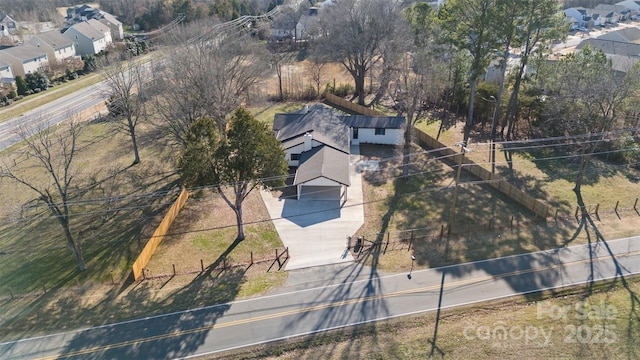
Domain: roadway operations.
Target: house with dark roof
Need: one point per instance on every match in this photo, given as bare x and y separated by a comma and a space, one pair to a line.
24, 59
317, 141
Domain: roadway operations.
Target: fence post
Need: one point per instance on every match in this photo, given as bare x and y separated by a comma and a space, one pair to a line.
577, 208
174, 269
410, 241
598, 207
278, 258
512, 222
616, 209
144, 274
635, 204
251, 257
201, 265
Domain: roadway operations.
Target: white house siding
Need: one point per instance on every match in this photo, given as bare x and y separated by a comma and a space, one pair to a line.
35, 64
6, 72
368, 136
65, 53
298, 149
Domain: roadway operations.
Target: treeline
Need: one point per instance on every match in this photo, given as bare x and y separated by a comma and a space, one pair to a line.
148, 14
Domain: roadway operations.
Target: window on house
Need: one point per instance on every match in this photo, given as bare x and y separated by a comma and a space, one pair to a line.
379, 131
295, 157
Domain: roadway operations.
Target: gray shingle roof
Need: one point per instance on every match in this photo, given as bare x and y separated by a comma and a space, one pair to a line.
24, 52
323, 123
612, 47
323, 161
89, 31
53, 38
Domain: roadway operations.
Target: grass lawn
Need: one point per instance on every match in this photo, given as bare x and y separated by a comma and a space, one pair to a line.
40, 271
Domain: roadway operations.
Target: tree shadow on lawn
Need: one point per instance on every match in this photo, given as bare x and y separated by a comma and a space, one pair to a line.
110, 245
168, 336
564, 168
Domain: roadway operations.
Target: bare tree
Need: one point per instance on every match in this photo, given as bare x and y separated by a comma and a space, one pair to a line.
50, 151
207, 77
126, 81
313, 71
361, 35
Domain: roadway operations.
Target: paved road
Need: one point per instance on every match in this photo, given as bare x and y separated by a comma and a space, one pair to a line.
341, 296
52, 113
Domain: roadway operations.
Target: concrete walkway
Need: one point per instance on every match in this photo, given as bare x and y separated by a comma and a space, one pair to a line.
315, 231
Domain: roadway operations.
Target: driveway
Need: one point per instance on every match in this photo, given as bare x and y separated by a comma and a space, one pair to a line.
315, 231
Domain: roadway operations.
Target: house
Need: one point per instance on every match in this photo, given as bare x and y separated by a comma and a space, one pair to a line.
307, 27
82, 13
6, 77
632, 5
117, 32
85, 12
58, 47
623, 55
628, 34
621, 11
8, 26
604, 17
283, 26
90, 37
579, 18
24, 59
317, 140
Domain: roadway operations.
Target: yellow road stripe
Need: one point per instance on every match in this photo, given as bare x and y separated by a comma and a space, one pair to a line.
322, 307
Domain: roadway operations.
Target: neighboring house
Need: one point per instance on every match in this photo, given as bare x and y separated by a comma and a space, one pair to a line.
317, 140
24, 59
283, 26
117, 32
604, 17
632, 5
58, 47
6, 76
621, 11
623, 55
307, 27
85, 12
579, 18
8, 26
82, 13
89, 37
628, 34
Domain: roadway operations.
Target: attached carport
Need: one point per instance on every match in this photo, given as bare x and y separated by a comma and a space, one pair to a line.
323, 174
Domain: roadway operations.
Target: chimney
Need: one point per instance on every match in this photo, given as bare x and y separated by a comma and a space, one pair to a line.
307, 142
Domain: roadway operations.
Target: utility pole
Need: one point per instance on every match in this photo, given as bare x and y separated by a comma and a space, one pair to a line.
463, 149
